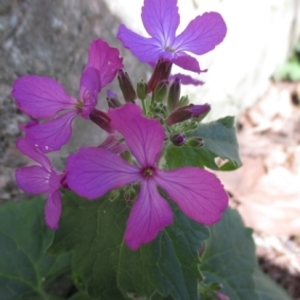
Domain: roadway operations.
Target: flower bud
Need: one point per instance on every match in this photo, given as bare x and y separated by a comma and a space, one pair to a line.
184, 100
161, 72
126, 86
178, 139
188, 112
222, 296
141, 90
174, 95
101, 119
195, 142
112, 100
160, 90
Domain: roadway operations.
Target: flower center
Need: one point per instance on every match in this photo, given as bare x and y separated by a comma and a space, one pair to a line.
147, 172
167, 48
79, 105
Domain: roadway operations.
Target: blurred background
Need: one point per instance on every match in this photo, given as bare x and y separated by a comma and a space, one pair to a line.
254, 74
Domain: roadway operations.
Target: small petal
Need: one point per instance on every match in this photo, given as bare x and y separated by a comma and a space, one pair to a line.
198, 193
33, 179
187, 62
28, 150
145, 49
90, 86
92, 172
90, 80
113, 144
41, 97
144, 137
186, 79
202, 34
52, 135
105, 60
150, 214
161, 19
53, 209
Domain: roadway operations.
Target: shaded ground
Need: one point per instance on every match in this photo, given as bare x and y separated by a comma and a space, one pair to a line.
51, 37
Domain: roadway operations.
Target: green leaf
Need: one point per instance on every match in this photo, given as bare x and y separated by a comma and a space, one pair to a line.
219, 141
267, 289
177, 157
79, 296
94, 231
168, 265
229, 257
25, 269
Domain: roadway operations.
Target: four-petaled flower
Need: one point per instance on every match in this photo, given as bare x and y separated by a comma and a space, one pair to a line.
92, 172
43, 98
161, 20
41, 179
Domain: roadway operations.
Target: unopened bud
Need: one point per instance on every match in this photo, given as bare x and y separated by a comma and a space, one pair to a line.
195, 142
184, 100
126, 86
160, 90
178, 139
141, 90
199, 111
101, 119
188, 112
126, 155
222, 296
161, 72
174, 95
112, 100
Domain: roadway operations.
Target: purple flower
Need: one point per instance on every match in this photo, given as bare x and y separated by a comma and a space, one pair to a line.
186, 79
44, 98
92, 172
161, 20
41, 179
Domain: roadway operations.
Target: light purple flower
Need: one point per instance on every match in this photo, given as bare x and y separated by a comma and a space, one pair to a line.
92, 172
161, 20
44, 98
41, 179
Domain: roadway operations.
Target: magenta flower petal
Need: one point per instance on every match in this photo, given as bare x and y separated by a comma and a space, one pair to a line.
144, 137
145, 49
92, 172
105, 60
186, 79
33, 179
187, 62
27, 149
90, 81
52, 135
161, 19
53, 209
198, 193
202, 34
113, 144
90, 86
150, 214
41, 97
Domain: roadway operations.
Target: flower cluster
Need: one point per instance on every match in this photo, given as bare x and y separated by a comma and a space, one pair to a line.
141, 133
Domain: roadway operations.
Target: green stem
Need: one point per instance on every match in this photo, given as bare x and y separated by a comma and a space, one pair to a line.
152, 98
144, 107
